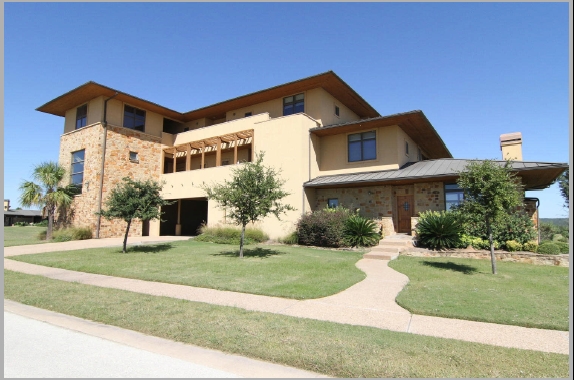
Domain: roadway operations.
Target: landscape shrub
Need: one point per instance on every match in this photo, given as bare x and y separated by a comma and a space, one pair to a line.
513, 246
43, 223
231, 235
530, 246
21, 224
42, 235
549, 248
438, 229
564, 247
71, 233
361, 232
323, 228
291, 238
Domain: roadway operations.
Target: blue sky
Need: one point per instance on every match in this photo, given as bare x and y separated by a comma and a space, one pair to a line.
476, 70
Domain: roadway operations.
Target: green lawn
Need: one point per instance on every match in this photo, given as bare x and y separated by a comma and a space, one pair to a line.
16, 235
273, 270
334, 349
520, 294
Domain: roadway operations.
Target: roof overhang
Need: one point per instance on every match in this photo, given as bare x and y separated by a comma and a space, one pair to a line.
329, 81
413, 123
92, 90
534, 177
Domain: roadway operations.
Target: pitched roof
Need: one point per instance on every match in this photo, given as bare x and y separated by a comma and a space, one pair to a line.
327, 80
535, 175
414, 123
23, 213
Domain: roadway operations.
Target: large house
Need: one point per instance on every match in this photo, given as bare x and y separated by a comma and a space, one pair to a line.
332, 147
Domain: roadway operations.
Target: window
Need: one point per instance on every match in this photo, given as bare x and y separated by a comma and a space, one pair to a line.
293, 104
78, 169
134, 156
419, 155
336, 110
333, 202
362, 146
453, 195
134, 118
407, 148
81, 116
247, 114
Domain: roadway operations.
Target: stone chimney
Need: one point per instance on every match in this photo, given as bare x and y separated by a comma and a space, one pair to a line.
6, 204
511, 146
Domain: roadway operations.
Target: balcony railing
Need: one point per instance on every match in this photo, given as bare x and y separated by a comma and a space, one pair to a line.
208, 152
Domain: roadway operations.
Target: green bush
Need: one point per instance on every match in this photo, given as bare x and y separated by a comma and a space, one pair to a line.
292, 238
361, 232
63, 235
81, 233
564, 247
517, 226
323, 228
513, 246
21, 224
43, 223
72, 233
231, 235
549, 248
42, 235
530, 246
476, 242
438, 229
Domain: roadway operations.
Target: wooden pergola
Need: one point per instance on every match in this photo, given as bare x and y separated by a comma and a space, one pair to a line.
210, 144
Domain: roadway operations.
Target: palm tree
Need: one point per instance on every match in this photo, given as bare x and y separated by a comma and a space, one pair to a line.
46, 193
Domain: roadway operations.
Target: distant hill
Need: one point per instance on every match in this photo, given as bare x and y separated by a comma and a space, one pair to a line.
557, 221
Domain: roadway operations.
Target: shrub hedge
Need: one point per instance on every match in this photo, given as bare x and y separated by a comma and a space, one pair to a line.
231, 235
323, 228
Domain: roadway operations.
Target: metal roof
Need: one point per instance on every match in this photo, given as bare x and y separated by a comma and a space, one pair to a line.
535, 175
23, 213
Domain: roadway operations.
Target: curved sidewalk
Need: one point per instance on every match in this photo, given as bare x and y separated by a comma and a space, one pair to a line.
370, 302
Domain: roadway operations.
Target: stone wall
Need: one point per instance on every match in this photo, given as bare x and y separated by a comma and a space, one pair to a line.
120, 142
374, 202
429, 196
520, 257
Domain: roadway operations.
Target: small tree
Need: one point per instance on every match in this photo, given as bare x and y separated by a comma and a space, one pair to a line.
564, 185
491, 191
254, 192
131, 200
46, 192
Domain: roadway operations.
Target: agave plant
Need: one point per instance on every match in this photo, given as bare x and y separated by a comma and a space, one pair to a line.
438, 229
361, 232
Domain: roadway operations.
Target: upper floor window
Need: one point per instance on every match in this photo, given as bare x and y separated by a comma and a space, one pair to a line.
362, 146
247, 114
134, 118
407, 148
419, 154
293, 104
78, 168
453, 195
336, 110
81, 116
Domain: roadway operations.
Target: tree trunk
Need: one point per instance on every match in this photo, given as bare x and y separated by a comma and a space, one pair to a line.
492, 258
50, 229
126, 236
241, 242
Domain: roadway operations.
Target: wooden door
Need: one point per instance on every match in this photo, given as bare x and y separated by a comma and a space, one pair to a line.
405, 205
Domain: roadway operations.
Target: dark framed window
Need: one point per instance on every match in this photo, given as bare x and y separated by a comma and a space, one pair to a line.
362, 146
81, 116
134, 118
293, 104
134, 156
407, 148
333, 202
77, 169
337, 110
453, 195
419, 154
247, 114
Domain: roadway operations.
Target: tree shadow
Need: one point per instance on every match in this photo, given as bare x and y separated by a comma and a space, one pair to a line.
152, 248
251, 252
466, 269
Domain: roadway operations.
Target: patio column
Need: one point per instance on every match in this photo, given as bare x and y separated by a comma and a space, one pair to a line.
202, 155
174, 159
218, 153
188, 158
235, 149
178, 225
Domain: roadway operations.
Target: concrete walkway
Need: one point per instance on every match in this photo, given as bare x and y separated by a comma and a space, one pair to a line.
370, 302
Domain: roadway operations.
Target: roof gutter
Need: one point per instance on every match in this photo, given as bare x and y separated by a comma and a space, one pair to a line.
103, 164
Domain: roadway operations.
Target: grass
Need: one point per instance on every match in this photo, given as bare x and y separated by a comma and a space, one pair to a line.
334, 349
520, 294
16, 235
273, 270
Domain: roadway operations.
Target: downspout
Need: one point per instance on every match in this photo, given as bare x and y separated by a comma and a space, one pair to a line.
102, 167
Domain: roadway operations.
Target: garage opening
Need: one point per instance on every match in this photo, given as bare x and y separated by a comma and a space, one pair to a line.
185, 215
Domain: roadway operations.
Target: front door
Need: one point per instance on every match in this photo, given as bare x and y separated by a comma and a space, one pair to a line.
405, 212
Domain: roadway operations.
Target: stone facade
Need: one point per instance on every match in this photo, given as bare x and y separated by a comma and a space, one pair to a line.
429, 196
120, 142
374, 202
